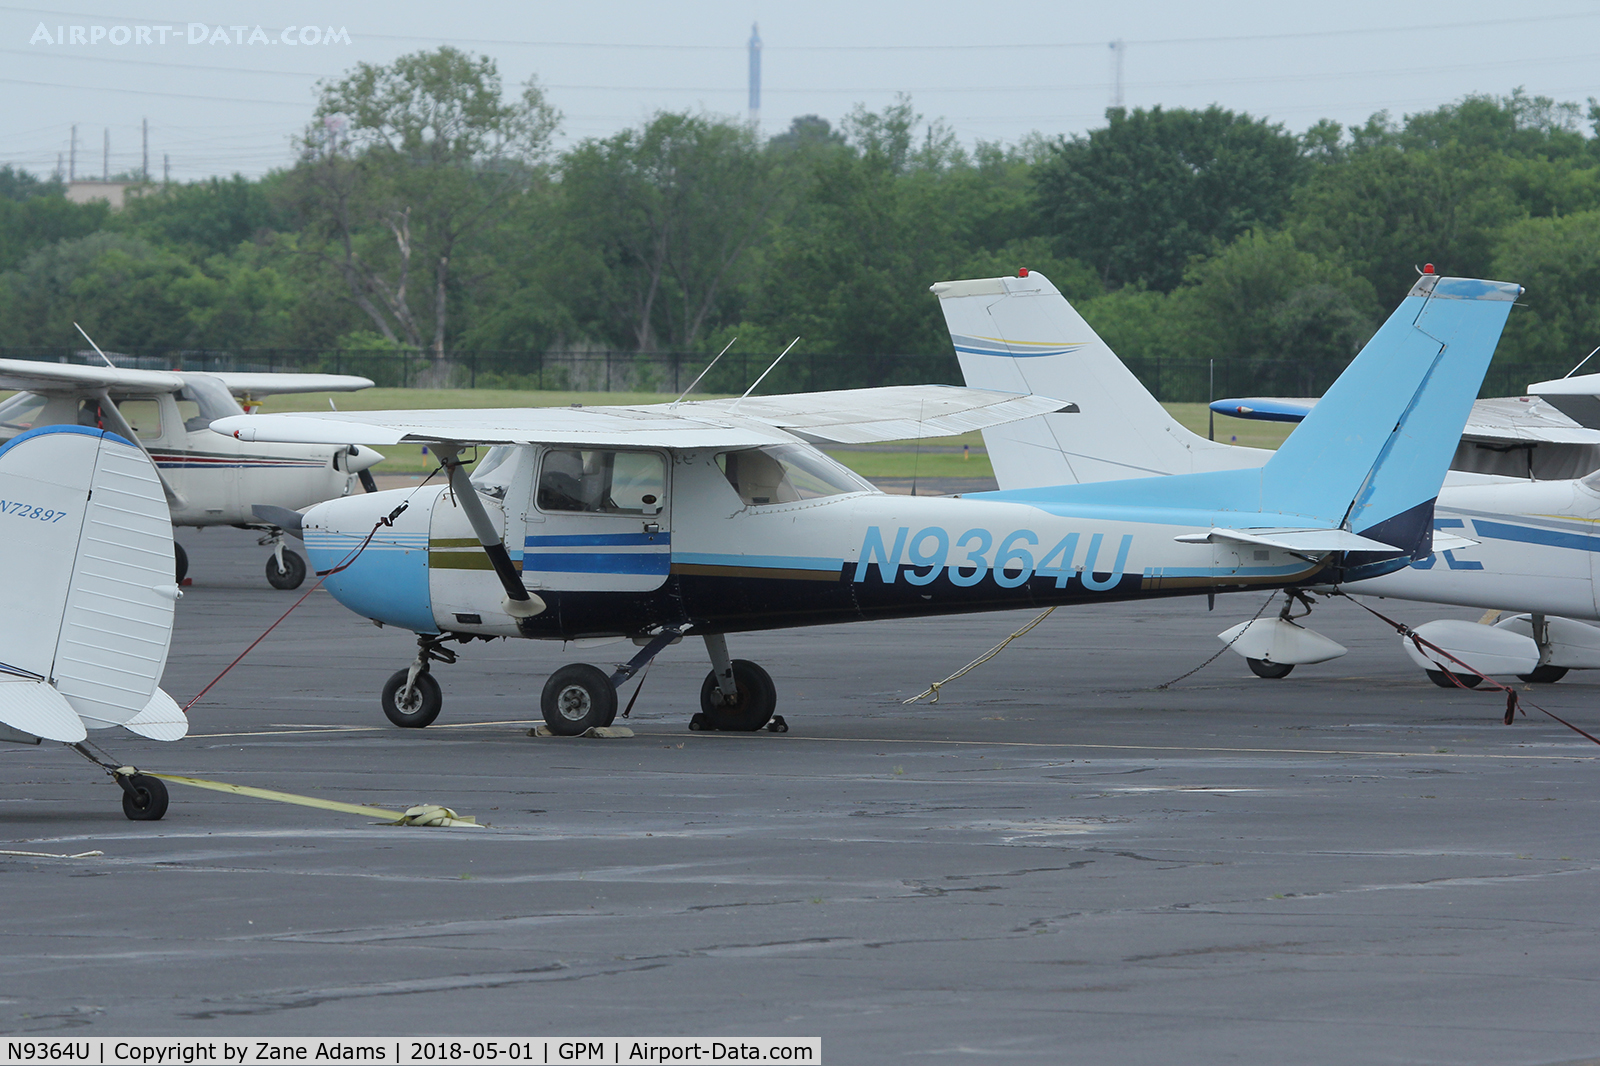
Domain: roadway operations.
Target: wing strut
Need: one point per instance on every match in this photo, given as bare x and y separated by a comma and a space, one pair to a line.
518, 602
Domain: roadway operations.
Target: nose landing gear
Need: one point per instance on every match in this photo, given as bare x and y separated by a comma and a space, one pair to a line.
411, 697
285, 568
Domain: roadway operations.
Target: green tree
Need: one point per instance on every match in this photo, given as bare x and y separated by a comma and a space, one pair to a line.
669, 210
1138, 198
203, 218
1558, 261
403, 166
123, 290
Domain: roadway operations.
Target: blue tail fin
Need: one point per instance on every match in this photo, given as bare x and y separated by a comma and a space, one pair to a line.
1371, 455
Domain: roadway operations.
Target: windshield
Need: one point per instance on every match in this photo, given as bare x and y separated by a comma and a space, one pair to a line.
787, 473
203, 400
20, 413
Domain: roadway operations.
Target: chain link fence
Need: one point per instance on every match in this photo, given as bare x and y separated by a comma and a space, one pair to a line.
1170, 378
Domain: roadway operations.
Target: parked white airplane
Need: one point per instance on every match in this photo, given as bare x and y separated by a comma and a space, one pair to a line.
209, 480
1533, 547
719, 517
87, 603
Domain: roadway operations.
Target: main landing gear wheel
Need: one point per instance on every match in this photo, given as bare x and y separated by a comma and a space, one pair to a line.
144, 798
1271, 671
577, 698
751, 709
423, 706
293, 572
1442, 679
181, 560
1545, 675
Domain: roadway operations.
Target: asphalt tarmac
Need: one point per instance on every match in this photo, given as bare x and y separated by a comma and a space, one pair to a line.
1057, 862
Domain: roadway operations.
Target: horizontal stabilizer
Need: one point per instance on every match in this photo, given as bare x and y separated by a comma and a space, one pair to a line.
34, 707
1295, 540
161, 719
289, 521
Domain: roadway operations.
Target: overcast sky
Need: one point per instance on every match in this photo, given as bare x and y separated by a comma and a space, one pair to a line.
217, 108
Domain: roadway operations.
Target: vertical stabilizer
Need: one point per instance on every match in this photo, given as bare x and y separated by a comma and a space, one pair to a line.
1021, 335
1372, 453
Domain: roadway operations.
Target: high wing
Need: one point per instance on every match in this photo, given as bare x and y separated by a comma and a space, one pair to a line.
1578, 398
34, 376
1502, 420
259, 385
884, 414
31, 376
895, 412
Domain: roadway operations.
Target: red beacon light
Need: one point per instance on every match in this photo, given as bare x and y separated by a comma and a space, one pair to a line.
1022, 272
1427, 268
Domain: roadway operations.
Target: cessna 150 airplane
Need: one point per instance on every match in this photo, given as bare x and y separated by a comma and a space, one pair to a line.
711, 518
209, 481
86, 607
1516, 488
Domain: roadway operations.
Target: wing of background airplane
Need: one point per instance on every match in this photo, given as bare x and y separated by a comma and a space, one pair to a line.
259, 385
33, 376
1577, 397
893, 413
1502, 420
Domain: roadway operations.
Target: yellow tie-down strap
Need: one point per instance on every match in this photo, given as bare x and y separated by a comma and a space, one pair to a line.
427, 814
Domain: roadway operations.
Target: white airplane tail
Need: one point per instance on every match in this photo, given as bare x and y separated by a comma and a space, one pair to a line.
1021, 335
87, 605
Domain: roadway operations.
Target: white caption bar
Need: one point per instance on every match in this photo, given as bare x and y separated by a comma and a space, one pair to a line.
403, 1051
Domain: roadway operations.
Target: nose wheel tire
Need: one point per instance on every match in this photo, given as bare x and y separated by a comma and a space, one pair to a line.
292, 574
752, 708
180, 559
1442, 679
423, 706
577, 698
145, 798
1271, 671
1545, 675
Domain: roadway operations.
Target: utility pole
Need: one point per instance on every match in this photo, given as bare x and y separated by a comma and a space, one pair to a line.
60, 162
166, 169
72, 167
1118, 47
755, 76
144, 169
105, 158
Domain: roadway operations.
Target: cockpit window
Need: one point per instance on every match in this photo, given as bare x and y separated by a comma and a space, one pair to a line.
20, 413
787, 473
602, 482
203, 400
494, 471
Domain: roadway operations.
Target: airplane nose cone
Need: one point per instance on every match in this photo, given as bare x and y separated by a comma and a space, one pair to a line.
360, 458
384, 578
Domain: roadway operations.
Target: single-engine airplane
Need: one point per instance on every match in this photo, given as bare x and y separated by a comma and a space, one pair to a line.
1516, 489
209, 480
87, 604
717, 517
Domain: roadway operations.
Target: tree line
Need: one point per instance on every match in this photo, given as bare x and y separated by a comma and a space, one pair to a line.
428, 212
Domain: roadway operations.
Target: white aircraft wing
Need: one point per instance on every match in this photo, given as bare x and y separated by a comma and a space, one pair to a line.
582, 426
896, 413
1502, 420
258, 385
31, 376
1516, 419
1578, 397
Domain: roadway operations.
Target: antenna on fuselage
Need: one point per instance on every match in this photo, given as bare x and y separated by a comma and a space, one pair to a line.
702, 374
764, 373
95, 346
1579, 367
